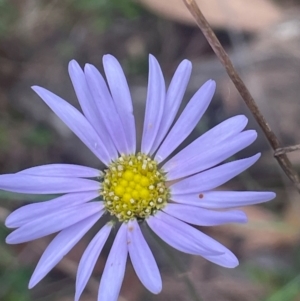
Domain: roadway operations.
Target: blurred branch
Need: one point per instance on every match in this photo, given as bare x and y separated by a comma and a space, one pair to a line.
215, 44
287, 149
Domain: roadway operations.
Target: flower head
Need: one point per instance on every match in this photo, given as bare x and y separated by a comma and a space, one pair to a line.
137, 185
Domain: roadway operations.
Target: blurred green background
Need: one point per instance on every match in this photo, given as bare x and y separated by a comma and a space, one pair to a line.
37, 40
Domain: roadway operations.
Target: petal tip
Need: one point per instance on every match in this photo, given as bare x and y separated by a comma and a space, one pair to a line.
32, 282
208, 87
9, 222
230, 261
73, 64
186, 63
156, 290
272, 195
257, 156
243, 218
108, 57
243, 118
152, 59
35, 88
89, 67
233, 265
254, 133
9, 239
213, 84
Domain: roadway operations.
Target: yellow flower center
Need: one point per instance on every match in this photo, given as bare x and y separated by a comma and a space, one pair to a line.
133, 187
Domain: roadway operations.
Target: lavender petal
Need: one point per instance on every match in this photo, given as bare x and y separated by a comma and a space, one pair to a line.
197, 160
142, 258
174, 97
221, 132
60, 246
154, 105
106, 108
62, 170
224, 199
212, 178
45, 185
204, 217
227, 259
76, 122
114, 270
30, 212
180, 235
89, 107
189, 240
89, 259
187, 120
224, 130
53, 222
218, 134
121, 96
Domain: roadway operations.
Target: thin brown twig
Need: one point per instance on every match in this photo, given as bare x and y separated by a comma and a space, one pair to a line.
210, 36
287, 149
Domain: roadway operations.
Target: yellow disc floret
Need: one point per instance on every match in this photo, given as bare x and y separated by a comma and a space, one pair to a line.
133, 187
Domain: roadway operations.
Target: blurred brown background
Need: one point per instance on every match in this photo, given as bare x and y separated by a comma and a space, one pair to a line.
37, 40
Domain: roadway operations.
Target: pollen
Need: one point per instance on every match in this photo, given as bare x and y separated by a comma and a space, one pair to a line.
134, 187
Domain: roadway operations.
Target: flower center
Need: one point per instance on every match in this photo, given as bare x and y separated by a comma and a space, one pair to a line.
133, 187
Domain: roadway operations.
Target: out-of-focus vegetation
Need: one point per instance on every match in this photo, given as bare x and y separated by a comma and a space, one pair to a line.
107, 9
8, 16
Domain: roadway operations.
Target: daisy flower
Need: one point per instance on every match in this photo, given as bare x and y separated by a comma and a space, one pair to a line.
137, 186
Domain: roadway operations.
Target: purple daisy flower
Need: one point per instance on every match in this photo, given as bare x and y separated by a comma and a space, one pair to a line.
136, 186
